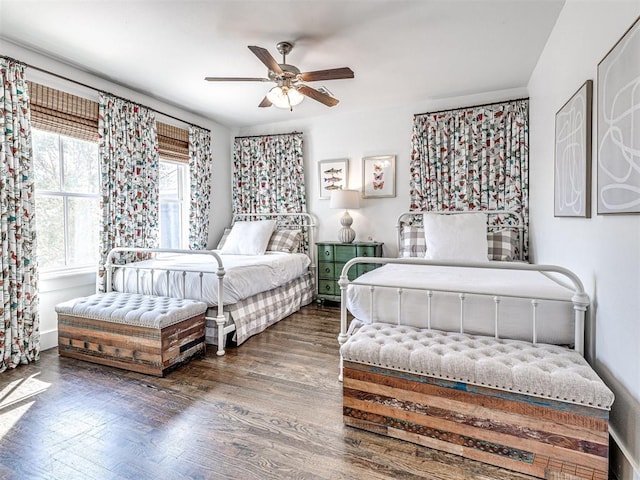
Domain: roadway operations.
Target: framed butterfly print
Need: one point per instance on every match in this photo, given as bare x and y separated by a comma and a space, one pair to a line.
379, 176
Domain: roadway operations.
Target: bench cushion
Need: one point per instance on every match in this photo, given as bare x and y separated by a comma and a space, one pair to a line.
133, 309
540, 370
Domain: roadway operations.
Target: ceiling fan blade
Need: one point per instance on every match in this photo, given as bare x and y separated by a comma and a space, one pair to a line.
317, 95
265, 103
266, 58
331, 74
236, 79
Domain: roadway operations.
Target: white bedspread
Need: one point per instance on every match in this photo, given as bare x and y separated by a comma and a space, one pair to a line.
554, 318
245, 275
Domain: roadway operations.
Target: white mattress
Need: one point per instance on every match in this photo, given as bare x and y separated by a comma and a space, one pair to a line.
554, 317
245, 275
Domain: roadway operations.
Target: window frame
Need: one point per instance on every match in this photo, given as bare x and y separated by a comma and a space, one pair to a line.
66, 196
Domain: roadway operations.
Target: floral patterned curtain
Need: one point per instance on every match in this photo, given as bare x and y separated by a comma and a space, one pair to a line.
128, 152
20, 327
200, 167
268, 175
473, 158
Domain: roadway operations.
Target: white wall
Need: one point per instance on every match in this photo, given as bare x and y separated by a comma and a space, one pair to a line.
55, 289
604, 250
353, 136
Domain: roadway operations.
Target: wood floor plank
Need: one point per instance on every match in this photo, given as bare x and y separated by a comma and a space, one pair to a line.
269, 409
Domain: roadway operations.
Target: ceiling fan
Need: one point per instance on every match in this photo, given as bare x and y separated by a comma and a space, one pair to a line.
290, 88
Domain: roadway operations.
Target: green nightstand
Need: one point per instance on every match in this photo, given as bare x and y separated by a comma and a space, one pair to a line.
331, 258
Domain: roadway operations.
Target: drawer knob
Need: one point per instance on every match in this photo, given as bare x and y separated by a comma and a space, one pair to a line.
327, 270
327, 287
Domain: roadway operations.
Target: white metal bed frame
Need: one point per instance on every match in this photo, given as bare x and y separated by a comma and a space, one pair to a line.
216, 313
580, 299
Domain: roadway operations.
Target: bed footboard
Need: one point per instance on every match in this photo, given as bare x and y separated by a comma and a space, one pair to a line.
147, 252
579, 299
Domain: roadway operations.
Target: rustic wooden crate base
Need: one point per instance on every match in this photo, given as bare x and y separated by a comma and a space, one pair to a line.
139, 349
544, 438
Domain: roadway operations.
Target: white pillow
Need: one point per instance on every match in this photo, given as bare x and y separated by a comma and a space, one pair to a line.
248, 238
457, 237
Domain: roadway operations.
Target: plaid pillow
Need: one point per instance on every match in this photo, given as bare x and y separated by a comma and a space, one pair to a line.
503, 245
285, 241
223, 239
412, 242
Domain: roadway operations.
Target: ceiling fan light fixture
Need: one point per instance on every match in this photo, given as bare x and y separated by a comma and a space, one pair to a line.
284, 97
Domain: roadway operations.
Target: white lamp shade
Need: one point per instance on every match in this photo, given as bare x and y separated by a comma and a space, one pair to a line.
345, 199
284, 97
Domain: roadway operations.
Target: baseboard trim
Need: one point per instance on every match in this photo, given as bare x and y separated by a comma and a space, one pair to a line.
627, 454
48, 339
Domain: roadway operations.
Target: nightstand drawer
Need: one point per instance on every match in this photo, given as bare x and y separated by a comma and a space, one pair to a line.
327, 270
344, 253
325, 253
328, 287
366, 251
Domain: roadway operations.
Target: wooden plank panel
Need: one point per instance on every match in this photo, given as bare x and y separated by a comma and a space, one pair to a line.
436, 406
121, 336
438, 400
478, 423
486, 397
134, 367
481, 426
140, 349
485, 439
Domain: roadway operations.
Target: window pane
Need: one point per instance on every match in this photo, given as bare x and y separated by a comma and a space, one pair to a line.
174, 205
50, 227
81, 173
84, 225
169, 188
169, 225
46, 160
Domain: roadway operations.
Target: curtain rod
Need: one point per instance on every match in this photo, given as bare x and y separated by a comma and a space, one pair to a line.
472, 106
62, 77
270, 135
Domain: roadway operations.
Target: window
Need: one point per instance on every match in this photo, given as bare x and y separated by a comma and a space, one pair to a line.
67, 203
174, 205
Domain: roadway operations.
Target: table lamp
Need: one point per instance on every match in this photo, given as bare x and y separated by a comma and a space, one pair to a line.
346, 200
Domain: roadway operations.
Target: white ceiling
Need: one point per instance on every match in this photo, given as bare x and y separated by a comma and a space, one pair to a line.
402, 52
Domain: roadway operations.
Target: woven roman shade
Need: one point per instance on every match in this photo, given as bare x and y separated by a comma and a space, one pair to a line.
56, 111
60, 112
173, 142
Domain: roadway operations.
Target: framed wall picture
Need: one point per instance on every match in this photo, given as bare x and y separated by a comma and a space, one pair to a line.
332, 175
572, 175
619, 126
379, 176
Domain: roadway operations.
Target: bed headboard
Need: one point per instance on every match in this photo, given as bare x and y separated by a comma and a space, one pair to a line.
502, 226
288, 221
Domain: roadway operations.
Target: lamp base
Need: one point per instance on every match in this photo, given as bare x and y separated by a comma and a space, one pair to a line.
346, 235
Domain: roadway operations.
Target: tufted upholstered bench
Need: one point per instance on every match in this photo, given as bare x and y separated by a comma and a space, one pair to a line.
141, 333
534, 408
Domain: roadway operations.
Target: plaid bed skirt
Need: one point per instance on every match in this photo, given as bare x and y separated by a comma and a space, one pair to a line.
254, 314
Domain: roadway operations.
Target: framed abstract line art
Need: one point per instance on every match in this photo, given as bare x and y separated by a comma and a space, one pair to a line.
572, 175
379, 176
332, 175
619, 126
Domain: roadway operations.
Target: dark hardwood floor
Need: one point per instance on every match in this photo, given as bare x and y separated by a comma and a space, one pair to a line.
269, 409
